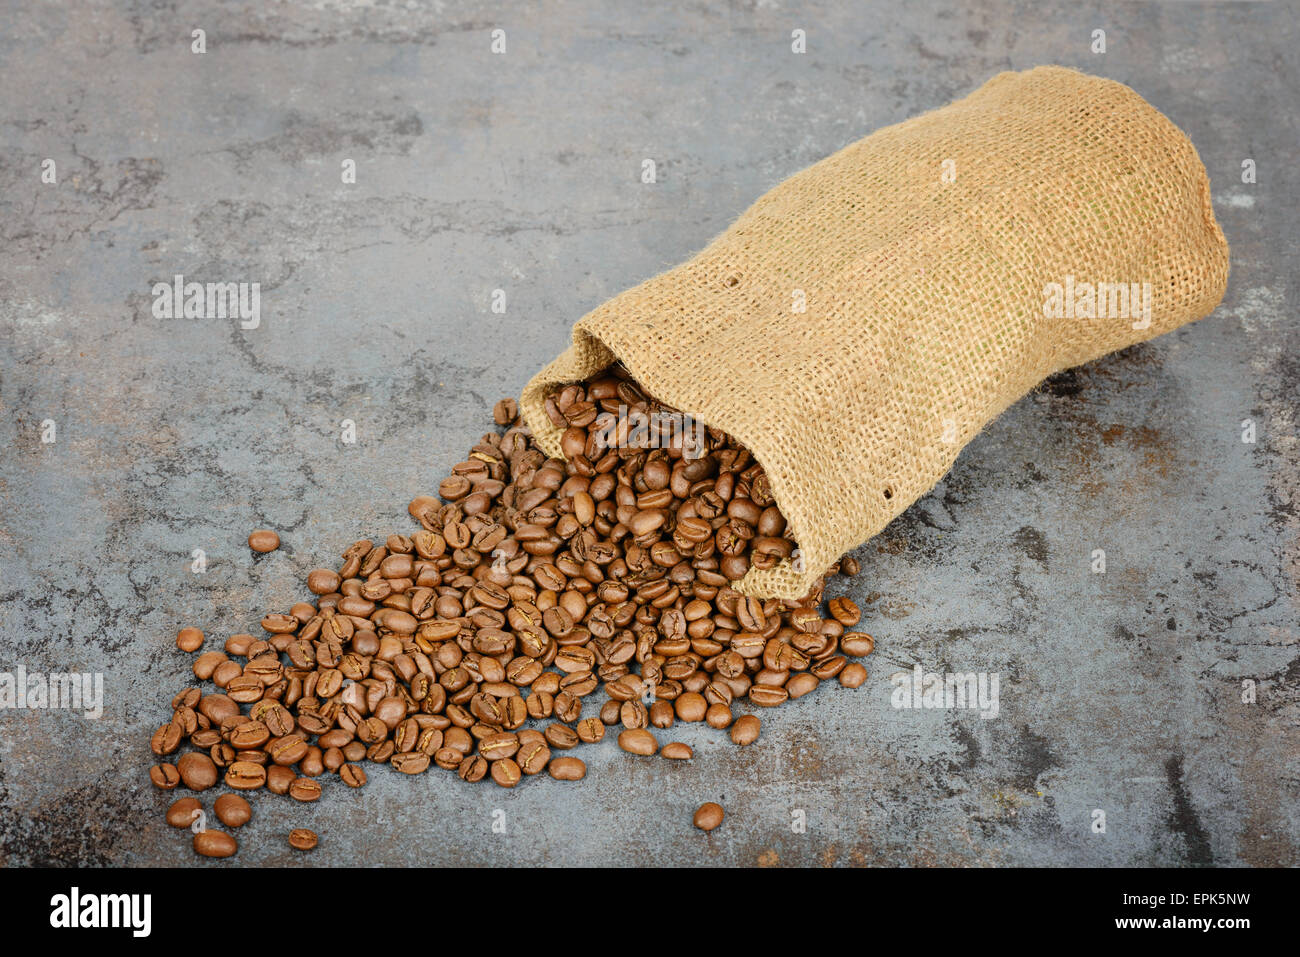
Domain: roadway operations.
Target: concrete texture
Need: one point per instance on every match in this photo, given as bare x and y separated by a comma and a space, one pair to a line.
1120, 692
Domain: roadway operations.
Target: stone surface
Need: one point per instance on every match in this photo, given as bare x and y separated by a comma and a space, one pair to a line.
1119, 692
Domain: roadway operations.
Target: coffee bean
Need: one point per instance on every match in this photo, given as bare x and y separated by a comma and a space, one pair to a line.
302, 839
505, 412
856, 643
768, 697
691, 706
353, 775
801, 684
263, 540
844, 611
245, 776
677, 751
709, 816
183, 811
206, 663
563, 737
232, 810
215, 844
505, 772
567, 769
197, 771
849, 566
166, 739
189, 639
278, 779
305, 789
164, 776
638, 741
853, 675
718, 716
590, 730
745, 730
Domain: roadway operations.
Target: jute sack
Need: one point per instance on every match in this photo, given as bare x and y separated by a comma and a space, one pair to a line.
862, 321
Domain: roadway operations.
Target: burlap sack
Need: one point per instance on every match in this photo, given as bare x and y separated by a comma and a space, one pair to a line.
924, 256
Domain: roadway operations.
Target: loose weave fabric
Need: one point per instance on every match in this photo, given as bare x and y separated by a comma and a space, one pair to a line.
924, 258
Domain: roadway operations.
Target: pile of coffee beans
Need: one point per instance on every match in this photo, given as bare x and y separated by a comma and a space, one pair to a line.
530, 584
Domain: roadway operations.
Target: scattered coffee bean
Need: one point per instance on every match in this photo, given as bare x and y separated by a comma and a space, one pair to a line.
263, 540
745, 730
215, 844
638, 741
189, 639
567, 769
709, 816
844, 611
183, 812
677, 751
232, 810
164, 776
303, 839
853, 675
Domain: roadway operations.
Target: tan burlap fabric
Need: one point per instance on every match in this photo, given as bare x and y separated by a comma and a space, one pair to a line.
927, 291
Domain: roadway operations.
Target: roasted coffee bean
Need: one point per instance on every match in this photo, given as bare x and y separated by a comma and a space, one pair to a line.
189, 639
197, 771
590, 730
563, 737
853, 675
353, 775
245, 776
718, 716
768, 697
183, 812
691, 706
638, 741
166, 739
505, 772
278, 779
411, 762
164, 776
677, 751
215, 843
845, 611
232, 810
709, 816
567, 769
745, 730
263, 540
801, 684
856, 643
302, 839
305, 789
849, 566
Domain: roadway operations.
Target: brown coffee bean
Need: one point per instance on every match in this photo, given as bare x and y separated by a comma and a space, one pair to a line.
183, 812
745, 730
845, 611
353, 775
691, 706
305, 789
709, 816
801, 684
245, 776
215, 844
638, 741
164, 776
768, 697
263, 540
197, 771
410, 762
590, 730
677, 751
563, 737
189, 639
718, 716
166, 739
232, 810
857, 643
849, 565
505, 772
206, 663
853, 675
302, 839
278, 779
567, 769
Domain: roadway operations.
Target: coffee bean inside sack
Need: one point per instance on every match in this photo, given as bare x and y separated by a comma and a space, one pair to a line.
535, 602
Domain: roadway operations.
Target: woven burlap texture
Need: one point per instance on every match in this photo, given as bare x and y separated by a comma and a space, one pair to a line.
923, 255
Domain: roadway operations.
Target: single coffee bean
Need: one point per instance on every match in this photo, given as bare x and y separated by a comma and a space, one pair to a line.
849, 566
845, 611
166, 739
232, 810
638, 741
263, 540
505, 772
563, 737
853, 675
197, 771
661, 714
164, 776
801, 684
691, 706
302, 839
745, 730
718, 716
305, 789
709, 816
590, 730
215, 844
206, 663
410, 762
856, 643
567, 769
677, 751
189, 639
278, 779
245, 776
768, 697
183, 811
505, 412
353, 775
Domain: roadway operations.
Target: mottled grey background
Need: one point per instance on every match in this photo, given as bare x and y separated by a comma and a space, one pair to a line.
1119, 692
